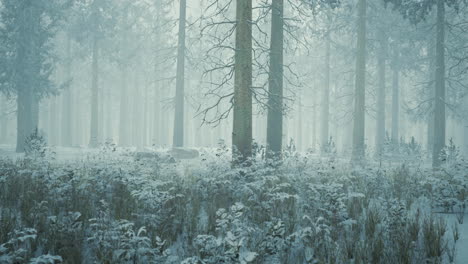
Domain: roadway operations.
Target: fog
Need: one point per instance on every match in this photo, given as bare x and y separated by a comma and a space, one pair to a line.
293, 88
114, 67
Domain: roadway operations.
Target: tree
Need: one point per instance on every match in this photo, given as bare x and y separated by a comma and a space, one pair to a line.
178, 136
67, 96
26, 60
326, 90
360, 83
125, 54
395, 94
417, 11
242, 108
3, 118
275, 80
381, 57
93, 141
124, 133
439, 106
96, 21
275, 104
163, 53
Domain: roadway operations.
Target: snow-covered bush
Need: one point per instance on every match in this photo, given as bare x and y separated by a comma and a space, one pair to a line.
19, 248
111, 208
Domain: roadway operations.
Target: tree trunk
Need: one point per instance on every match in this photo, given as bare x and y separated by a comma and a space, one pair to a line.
178, 133
395, 99
109, 119
101, 117
242, 117
164, 119
67, 100
324, 133
465, 131
44, 117
34, 113
124, 123
3, 119
145, 117
93, 141
157, 112
136, 126
359, 102
299, 141
431, 89
77, 120
275, 83
380, 133
314, 121
439, 109
24, 117
52, 126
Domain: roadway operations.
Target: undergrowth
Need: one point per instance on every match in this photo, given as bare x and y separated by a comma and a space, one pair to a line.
113, 209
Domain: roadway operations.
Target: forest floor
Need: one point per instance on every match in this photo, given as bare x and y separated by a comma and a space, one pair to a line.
309, 209
462, 243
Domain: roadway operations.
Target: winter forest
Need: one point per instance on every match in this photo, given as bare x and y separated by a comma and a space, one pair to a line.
234, 131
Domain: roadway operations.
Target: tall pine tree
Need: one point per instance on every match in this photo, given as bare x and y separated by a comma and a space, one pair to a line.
416, 11
26, 62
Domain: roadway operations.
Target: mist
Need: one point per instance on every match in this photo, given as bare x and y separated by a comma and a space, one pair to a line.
233, 131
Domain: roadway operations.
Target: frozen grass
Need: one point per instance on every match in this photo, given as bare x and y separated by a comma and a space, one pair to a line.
108, 207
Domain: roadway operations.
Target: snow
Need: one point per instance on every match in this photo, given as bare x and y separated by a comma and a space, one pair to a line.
203, 209
461, 253
462, 243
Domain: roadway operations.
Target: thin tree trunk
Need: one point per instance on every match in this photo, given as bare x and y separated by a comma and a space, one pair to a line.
314, 122
430, 130
242, 121
136, 113
395, 99
380, 133
299, 142
108, 119
94, 133
178, 133
145, 117
157, 112
124, 122
3, 119
53, 120
34, 112
431, 88
359, 103
101, 117
439, 110
25, 87
24, 117
77, 118
324, 133
44, 117
164, 118
336, 127
275, 83
465, 131
67, 99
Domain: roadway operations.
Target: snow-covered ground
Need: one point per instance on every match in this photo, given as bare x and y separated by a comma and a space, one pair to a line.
461, 253
302, 208
62, 153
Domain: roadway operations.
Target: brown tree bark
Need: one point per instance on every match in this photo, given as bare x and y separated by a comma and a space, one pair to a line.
242, 109
360, 82
382, 60
439, 107
178, 133
275, 83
